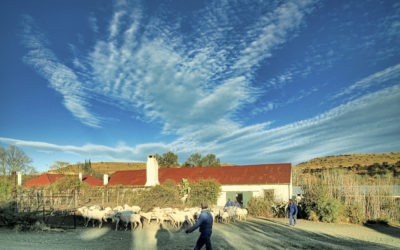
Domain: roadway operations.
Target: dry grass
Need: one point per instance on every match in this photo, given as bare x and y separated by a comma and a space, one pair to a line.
350, 160
102, 167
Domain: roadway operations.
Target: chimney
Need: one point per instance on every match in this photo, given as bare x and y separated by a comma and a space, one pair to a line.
80, 176
19, 174
152, 171
105, 179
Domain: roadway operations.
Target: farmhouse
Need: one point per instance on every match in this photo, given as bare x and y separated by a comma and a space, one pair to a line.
46, 179
238, 182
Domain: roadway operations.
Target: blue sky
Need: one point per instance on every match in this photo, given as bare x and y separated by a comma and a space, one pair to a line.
250, 81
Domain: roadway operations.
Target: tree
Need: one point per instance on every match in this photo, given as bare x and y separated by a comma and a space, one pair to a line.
58, 164
210, 160
87, 168
194, 160
167, 160
17, 160
3, 160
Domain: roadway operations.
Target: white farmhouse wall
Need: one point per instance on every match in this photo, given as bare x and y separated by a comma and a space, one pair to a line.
281, 191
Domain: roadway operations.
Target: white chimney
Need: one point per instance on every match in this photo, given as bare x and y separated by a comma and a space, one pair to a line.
19, 180
105, 179
152, 171
80, 176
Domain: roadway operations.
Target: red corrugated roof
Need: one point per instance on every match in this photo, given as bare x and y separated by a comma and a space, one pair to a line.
248, 174
47, 179
43, 180
92, 181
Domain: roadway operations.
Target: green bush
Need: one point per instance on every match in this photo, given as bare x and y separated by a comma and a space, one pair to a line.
354, 213
329, 209
259, 207
164, 195
5, 189
204, 190
312, 215
319, 205
65, 183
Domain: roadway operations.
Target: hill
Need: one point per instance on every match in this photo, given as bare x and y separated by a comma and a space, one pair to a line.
102, 167
350, 160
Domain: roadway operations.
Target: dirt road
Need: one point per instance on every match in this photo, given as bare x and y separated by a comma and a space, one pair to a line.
252, 234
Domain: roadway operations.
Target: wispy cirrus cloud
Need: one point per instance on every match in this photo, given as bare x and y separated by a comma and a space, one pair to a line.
61, 78
358, 124
146, 64
387, 77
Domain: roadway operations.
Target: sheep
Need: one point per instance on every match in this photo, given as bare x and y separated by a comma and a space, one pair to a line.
146, 216
225, 217
96, 214
118, 208
241, 213
135, 209
83, 211
95, 207
128, 217
177, 219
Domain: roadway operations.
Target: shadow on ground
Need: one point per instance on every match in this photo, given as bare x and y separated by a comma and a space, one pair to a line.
385, 229
268, 234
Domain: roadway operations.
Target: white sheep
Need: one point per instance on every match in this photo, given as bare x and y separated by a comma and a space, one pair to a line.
135, 209
128, 217
95, 207
146, 216
96, 214
118, 208
177, 219
83, 211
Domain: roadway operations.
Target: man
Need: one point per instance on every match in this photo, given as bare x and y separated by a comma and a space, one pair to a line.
205, 222
236, 204
292, 212
229, 203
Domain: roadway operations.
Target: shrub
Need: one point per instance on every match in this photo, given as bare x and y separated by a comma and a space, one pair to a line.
329, 209
164, 195
65, 183
355, 213
204, 190
259, 207
4, 190
319, 205
312, 215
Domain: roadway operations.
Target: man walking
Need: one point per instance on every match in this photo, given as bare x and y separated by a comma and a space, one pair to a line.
205, 222
292, 212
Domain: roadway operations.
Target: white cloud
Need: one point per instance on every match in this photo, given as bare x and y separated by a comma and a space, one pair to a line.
147, 66
359, 126
61, 78
390, 74
90, 150
93, 23
195, 82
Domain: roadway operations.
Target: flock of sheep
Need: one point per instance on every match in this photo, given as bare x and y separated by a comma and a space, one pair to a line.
177, 218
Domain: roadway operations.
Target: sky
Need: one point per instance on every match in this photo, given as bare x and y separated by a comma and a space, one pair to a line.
249, 81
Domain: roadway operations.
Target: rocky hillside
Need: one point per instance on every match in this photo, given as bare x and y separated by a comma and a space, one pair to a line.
350, 160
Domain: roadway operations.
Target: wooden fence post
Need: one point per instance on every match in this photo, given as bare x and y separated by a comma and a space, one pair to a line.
108, 196
117, 196
44, 202
102, 198
51, 198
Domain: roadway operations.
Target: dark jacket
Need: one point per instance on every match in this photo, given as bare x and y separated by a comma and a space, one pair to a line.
292, 209
205, 222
